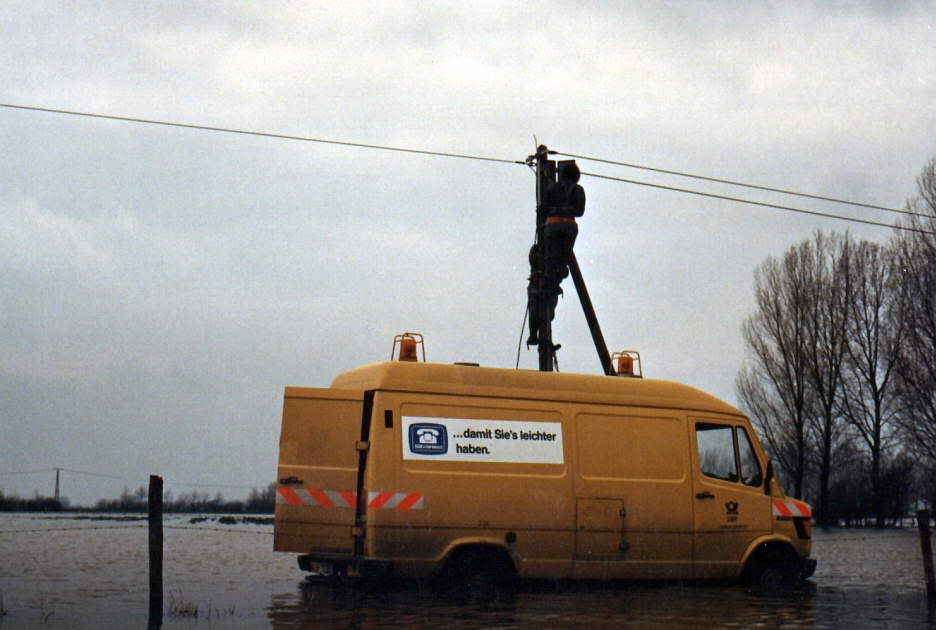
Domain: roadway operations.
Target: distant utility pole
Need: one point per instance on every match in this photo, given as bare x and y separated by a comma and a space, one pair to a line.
57, 472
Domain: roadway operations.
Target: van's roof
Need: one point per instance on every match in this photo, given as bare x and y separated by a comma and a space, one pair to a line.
439, 378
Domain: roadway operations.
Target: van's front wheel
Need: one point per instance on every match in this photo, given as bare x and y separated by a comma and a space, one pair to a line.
776, 578
775, 572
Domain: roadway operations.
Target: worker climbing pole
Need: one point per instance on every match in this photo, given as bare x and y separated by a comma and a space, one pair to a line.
558, 204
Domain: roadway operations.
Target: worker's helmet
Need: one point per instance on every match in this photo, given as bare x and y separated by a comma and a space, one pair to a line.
570, 173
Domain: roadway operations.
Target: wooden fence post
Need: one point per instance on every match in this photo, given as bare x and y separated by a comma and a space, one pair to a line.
155, 552
923, 518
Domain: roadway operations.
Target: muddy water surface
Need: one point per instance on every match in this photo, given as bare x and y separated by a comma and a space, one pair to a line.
68, 572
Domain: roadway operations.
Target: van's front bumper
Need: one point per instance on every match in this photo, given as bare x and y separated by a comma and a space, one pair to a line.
344, 565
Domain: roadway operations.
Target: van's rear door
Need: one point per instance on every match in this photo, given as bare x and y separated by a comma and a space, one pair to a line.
317, 473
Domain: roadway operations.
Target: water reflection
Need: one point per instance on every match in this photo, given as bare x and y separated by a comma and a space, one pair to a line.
602, 605
543, 604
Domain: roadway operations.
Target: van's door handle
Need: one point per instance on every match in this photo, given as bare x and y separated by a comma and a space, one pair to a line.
704, 495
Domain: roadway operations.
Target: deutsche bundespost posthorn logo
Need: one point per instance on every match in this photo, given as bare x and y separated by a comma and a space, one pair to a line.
427, 438
731, 511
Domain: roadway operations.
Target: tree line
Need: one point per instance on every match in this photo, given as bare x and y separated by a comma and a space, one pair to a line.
259, 501
840, 373
13, 503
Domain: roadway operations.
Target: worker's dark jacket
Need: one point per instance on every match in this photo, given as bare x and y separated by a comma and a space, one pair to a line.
564, 199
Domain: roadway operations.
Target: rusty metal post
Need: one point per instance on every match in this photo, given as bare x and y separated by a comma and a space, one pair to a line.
155, 552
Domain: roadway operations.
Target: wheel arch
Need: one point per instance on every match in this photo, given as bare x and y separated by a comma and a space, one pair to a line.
461, 549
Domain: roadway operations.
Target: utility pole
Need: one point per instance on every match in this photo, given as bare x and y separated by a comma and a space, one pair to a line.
57, 494
545, 175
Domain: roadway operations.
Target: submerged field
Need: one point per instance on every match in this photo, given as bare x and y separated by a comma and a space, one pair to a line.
89, 572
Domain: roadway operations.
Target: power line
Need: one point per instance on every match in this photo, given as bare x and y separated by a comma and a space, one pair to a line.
131, 480
214, 485
737, 183
758, 203
28, 472
522, 162
95, 474
260, 133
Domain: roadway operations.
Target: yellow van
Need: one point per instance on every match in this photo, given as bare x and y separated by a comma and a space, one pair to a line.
417, 469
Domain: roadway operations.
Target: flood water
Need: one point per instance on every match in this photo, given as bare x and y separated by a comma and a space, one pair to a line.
79, 572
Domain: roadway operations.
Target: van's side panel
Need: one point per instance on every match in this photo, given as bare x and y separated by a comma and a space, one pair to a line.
317, 470
633, 493
469, 502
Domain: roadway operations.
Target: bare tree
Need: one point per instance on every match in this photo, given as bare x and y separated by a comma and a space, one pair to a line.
842, 347
874, 336
773, 387
830, 263
784, 441
917, 370
797, 344
849, 500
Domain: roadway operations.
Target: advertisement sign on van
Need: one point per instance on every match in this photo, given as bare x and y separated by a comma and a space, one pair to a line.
475, 440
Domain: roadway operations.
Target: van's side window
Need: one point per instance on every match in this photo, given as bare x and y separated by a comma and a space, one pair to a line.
750, 468
716, 451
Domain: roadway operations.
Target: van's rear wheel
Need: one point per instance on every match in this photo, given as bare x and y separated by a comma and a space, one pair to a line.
478, 575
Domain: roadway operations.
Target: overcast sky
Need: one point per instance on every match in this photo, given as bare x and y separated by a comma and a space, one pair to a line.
161, 286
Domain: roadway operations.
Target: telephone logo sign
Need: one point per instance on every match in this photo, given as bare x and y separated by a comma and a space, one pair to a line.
427, 438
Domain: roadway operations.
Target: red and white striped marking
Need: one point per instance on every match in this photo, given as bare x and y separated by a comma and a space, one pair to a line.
791, 507
346, 499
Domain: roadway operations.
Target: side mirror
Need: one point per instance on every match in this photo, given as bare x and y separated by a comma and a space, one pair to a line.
768, 478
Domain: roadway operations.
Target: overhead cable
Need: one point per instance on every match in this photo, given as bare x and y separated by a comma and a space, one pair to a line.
210, 485
260, 133
95, 474
736, 183
167, 482
758, 203
522, 162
